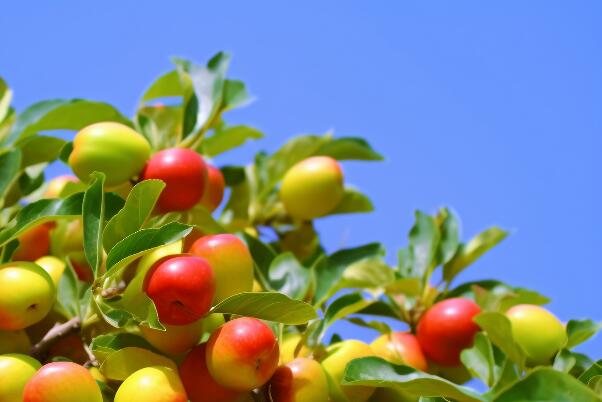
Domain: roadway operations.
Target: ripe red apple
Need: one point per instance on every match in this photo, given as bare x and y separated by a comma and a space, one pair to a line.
231, 262
199, 385
182, 288
302, 380
62, 382
184, 173
400, 348
446, 329
33, 244
242, 354
214, 190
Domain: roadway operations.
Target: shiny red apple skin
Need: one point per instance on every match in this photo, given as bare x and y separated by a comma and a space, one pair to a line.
214, 190
242, 354
182, 287
446, 329
400, 348
199, 385
62, 382
185, 175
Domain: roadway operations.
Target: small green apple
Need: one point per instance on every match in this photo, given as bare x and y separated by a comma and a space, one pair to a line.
312, 188
288, 347
152, 384
15, 371
26, 294
338, 355
539, 333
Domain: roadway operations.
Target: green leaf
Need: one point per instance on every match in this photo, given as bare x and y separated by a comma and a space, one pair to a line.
479, 359
546, 384
288, 276
376, 372
67, 295
39, 149
6, 96
379, 326
424, 243
122, 363
595, 384
499, 329
139, 204
564, 361
344, 306
353, 202
263, 256
42, 211
93, 213
104, 345
594, 370
167, 85
10, 163
235, 95
407, 286
449, 227
579, 331
63, 114
349, 148
470, 252
269, 306
228, 138
144, 240
370, 273
330, 271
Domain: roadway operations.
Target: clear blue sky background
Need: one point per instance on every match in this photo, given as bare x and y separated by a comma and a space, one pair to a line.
493, 108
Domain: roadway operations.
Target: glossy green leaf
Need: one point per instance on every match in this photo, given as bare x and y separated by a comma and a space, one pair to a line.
579, 331
235, 95
470, 252
168, 85
42, 211
63, 114
329, 273
93, 214
10, 163
594, 370
6, 96
493, 295
498, 328
228, 138
353, 202
424, 242
139, 204
144, 240
376, 372
288, 276
479, 359
370, 273
263, 256
349, 148
104, 345
407, 286
39, 149
344, 306
122, 363
595, 384
564, 361
545, 384
67, 296
379, 326
269, 306
449, 228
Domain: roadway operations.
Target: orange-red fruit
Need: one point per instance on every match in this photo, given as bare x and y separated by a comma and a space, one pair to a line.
302, 380
400, 348
33, 244
214, 190
242, 354
446, 329
184, 173
182, 288
199, 385
62, 382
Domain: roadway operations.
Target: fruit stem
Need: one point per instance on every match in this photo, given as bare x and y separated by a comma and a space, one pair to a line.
55, 333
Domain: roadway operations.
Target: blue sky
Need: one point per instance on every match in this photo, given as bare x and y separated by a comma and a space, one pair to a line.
490, 108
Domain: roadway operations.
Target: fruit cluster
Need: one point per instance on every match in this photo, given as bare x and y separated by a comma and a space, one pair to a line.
149, 274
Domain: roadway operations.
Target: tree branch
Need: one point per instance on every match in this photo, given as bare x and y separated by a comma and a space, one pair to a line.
54, 334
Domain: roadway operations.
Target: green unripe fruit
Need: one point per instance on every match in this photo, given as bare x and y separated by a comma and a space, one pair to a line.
339, 355
152, 384
538, 332
111, 148
15, 371
312, 188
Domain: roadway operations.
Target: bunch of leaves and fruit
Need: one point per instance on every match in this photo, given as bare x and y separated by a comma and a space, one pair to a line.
150, 274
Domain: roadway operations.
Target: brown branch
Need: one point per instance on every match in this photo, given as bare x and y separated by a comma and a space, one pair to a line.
55, 333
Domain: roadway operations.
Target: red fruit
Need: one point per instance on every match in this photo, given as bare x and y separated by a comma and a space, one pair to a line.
199, 385
214, 191
182, 288
242, 354
446, 329
34, 243
184, 173
62, 382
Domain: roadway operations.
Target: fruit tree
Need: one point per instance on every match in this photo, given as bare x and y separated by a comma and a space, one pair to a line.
152, 274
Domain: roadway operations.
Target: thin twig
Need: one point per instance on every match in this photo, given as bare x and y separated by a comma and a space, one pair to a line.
55, 333
92, 361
